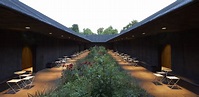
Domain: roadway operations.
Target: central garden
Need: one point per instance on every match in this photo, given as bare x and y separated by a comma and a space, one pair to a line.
96, 75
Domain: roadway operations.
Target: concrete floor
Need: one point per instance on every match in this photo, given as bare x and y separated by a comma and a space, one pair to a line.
146, 78
48, 79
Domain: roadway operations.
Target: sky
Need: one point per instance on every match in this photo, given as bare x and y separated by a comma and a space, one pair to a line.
94, 14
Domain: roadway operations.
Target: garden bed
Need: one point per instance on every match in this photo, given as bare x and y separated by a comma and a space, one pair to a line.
97, 75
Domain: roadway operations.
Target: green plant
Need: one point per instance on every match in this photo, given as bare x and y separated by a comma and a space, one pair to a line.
38, 94
97, 75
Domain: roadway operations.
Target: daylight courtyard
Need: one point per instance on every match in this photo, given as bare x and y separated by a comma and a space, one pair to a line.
156, 56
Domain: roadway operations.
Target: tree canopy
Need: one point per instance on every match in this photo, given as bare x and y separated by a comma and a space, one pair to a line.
75, 28
129, 25
108, 30
87, 31
100, 31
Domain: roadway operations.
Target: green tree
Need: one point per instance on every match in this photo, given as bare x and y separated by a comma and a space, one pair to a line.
100, 31
130, 25
110, 30
87, 31
75, 28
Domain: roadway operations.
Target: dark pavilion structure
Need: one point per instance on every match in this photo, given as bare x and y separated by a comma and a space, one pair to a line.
169, 38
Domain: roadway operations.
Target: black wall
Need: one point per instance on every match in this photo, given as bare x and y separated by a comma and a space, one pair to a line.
10, 54
53, 49
184, 52
145, 49
44, 50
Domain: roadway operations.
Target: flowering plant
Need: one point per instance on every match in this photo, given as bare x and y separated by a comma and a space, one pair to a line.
97, 75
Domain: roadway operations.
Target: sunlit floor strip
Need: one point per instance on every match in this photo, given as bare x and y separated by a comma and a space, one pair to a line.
145, 79
44, 80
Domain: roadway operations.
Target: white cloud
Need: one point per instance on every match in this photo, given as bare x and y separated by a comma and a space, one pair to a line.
94, 14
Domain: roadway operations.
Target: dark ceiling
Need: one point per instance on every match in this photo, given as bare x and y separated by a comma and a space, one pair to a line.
13, 20
183, 19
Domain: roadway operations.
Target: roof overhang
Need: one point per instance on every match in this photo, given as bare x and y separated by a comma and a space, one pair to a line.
99, 38
180, 16
17, 16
